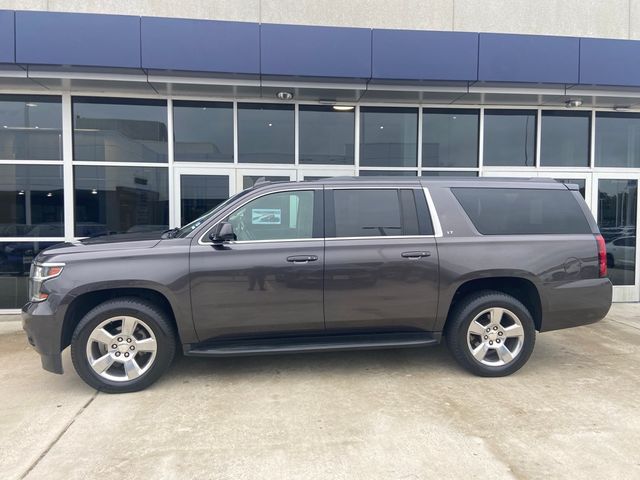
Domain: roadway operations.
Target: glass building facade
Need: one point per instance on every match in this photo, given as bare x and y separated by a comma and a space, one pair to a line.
77, 166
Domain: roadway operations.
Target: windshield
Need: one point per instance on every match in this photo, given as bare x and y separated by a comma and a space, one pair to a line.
190, 227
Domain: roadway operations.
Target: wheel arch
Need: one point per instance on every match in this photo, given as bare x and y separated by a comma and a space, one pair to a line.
84, 301
519, 287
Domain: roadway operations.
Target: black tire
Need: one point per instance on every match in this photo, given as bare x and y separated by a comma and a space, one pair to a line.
466, 310
155, 318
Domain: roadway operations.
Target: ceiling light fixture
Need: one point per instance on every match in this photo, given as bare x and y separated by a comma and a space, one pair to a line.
621, 108
31, 104
284, 95
343, 108
573, 103
94, 191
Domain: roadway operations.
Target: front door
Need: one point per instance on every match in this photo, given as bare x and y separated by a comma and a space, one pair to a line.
381, 260
269, 281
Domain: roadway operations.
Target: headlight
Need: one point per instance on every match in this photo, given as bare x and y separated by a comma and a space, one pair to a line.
41, 272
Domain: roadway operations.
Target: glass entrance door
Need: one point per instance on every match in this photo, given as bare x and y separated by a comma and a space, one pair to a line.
199, 189
615, 206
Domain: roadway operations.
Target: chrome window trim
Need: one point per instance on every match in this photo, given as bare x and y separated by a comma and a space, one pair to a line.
437, 228
283, 190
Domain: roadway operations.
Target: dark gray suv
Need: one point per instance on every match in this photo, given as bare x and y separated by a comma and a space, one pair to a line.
342, 263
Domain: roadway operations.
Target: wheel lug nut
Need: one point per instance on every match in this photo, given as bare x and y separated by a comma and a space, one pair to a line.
117, 354
488, 330
490, 342
126, 354
119, 339
486, 336
495, 328
132, 347
498, 341
128, 340
114, 346
500, 333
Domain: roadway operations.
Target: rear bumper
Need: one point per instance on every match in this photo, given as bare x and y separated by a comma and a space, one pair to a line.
576, 303
44, 331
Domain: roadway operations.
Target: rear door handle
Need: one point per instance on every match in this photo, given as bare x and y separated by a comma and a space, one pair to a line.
302, 258
415, 254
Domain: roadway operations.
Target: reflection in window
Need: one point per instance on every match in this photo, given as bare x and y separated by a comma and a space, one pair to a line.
276, 216
30, 127
510, 138
388, 137
617, 200
450, 138
265, 133
201, 193
617, 140
564, 139
326, 135
31, 197
120, 199
367, 213
249, 181
203, 131
119, 130
15, 262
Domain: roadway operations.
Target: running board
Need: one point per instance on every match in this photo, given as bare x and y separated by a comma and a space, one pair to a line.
326, 343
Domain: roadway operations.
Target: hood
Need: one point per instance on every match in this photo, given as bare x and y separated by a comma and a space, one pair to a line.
124, 241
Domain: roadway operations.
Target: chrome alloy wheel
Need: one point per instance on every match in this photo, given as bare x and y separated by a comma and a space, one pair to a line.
495, 337
121, 348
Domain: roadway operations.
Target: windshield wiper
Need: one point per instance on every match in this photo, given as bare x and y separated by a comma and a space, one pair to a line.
170, 233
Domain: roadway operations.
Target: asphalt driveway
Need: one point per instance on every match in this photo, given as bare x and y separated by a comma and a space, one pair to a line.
572, 412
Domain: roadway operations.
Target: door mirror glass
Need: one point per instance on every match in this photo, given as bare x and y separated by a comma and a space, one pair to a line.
221, 233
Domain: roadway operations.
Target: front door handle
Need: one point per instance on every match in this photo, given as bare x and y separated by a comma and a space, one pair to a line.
302, 258
415, 254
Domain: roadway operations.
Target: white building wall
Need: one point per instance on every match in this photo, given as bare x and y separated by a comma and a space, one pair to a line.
589, 18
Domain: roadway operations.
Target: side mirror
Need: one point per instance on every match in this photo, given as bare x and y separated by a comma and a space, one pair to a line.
222, 233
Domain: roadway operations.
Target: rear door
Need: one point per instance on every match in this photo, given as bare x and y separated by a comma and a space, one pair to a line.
381, 260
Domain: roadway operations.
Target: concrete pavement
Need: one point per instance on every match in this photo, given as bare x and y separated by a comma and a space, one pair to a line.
571, 412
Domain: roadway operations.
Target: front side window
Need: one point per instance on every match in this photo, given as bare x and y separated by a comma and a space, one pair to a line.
374, 213
275, 216
119, 130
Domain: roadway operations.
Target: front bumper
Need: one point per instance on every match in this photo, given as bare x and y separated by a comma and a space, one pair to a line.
44, 332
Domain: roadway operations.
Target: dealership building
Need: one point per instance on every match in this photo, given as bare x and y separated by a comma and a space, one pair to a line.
132, 116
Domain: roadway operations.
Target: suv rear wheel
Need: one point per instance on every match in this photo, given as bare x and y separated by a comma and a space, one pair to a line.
123, 345
491, 334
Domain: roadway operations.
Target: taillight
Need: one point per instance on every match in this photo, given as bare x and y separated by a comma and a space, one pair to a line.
602, 256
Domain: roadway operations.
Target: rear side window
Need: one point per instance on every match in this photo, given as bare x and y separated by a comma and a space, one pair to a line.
517, 211
375, 213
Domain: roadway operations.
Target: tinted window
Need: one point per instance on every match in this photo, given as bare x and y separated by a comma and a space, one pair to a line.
564, 139
450, 138
516, 211
386, 173
119, 130
31, 199
373, 213
388, 137
617, 140
276, 216
201, 193
265, 133
30, 128
509, 138
120, 199
326, 135
203, 131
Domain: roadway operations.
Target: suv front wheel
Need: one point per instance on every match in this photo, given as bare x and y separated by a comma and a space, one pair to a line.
491, 334
123, 345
